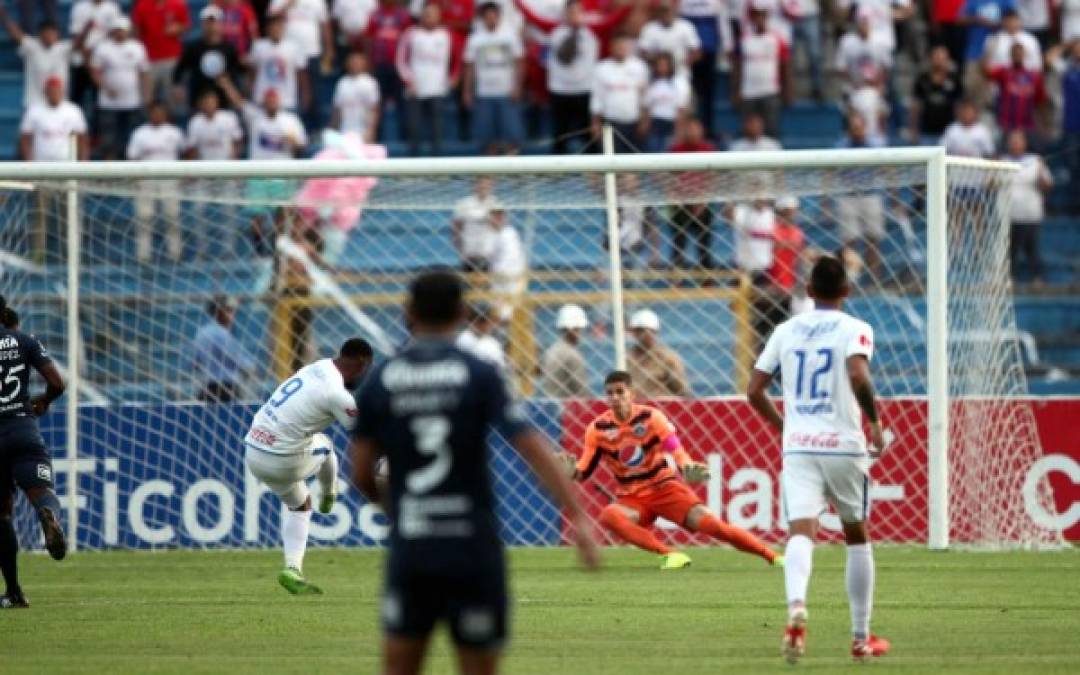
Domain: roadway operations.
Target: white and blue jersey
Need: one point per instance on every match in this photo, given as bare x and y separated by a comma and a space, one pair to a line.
810, 352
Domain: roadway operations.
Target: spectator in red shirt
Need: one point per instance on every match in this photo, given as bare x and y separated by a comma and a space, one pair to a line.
1020, 92
693, 218
239, 24
787, 258
388, 22
160, 25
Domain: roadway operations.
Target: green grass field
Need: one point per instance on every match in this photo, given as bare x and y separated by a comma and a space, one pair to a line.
217, 612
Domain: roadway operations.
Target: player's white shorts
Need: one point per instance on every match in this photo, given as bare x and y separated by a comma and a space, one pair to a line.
810, 483
861, 216
286, 475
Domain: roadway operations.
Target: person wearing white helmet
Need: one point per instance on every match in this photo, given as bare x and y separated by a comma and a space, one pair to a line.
655, 368
562, 366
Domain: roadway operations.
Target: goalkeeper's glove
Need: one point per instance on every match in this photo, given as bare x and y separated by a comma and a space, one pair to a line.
695, 472
569, 462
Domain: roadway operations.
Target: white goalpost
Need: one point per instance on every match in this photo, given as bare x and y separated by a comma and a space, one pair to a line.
147, 464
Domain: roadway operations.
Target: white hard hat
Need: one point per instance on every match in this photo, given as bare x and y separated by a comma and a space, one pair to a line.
787, 202
120, 23
571, 317
645, 318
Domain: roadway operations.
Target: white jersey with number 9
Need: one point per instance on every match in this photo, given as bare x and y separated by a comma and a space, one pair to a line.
810, 352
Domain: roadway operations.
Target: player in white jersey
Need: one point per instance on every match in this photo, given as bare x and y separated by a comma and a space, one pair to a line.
285, 446
823, 359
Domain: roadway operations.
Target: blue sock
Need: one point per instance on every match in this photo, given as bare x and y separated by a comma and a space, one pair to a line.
9, 549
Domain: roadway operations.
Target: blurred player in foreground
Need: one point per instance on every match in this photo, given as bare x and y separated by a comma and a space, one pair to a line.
24, 459
429, 410
285, 446
637, 442
823, 358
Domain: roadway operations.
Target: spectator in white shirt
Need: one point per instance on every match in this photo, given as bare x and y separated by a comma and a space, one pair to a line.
424, 64
860, 212
754, 137
1026, 210
868, 101
356, 99
883, 15
754, 225
1035, 17
478, 337
307, 25
279, 64
273, 132
47, 127
352, 18
157, 140
571, 64
494, 76
670, 34
861, 56
1070, 20
506, 264
88, 26
121, 72
44, 57
967, 136
667, 100
213, 133
474, 238
761, 70
999, 45
618, 96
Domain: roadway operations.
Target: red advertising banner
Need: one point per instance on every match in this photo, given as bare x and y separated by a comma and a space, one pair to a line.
745, 459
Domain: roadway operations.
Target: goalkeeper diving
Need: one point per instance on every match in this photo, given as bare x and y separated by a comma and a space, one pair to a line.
638, 444
285, 446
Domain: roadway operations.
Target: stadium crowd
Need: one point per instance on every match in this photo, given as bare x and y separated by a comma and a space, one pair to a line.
157, 80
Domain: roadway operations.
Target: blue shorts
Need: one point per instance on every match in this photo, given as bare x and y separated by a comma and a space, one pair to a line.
24, 458
497, 120
473, 603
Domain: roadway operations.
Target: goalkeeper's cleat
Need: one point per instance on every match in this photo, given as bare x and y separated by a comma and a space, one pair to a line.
294, 582
779, 561
675, 560
55, 542
794, 644
873, 646
326, 502
14, 601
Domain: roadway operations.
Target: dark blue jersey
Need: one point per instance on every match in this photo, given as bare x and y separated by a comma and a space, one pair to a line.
19, 353
430, 409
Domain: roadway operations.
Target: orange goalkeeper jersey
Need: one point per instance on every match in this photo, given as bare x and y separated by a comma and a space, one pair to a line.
633, 450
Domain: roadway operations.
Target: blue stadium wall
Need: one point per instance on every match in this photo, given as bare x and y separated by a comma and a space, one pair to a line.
172, 476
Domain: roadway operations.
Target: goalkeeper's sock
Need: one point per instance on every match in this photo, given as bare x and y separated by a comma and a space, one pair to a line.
736, 536
799, 557
860, 588
9, 550
294, 535
616, 520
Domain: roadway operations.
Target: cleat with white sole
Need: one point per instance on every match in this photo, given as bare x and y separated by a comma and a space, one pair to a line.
794, 644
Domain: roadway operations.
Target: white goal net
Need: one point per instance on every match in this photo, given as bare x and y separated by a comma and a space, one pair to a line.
196, 296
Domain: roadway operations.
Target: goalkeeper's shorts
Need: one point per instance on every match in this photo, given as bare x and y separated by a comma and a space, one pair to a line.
670, 500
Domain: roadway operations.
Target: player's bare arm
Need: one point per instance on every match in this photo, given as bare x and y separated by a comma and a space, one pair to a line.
862, 386
757, 393
533, 449
364, 454
54, 388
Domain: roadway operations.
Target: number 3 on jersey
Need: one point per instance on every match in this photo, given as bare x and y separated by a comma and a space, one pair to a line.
430, 433
823, 366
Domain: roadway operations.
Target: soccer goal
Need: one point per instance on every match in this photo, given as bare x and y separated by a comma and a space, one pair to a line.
118, 267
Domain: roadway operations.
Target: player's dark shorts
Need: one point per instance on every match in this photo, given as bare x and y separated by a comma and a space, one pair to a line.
24, 459
473, 604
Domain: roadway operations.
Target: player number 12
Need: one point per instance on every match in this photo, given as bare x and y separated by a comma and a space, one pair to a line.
825, 362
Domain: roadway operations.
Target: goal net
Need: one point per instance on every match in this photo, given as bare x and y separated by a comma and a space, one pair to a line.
195, 296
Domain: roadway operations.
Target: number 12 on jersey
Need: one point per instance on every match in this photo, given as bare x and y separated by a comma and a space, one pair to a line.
823, 363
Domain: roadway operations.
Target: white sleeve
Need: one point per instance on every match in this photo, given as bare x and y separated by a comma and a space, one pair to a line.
769, 360
189, 134
517, 47
860, 341
373, 87
301, 133
343, 406
470, 49
321, 15
134, 148
235, 132
78, 121
338, 93
27, 124
142, 60
690, 33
